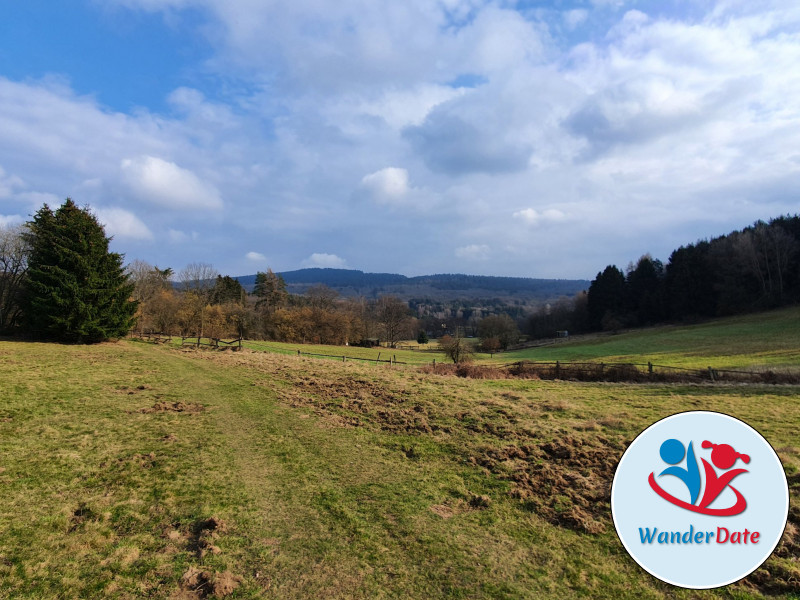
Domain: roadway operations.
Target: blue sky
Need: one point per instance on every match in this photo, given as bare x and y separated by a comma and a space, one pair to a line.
542, 139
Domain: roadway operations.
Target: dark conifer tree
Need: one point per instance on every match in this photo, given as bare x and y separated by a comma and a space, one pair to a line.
270, 289
227, 289
606, 301
78, 290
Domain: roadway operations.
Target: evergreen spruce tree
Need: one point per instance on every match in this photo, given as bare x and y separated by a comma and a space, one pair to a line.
270, 289
77, 290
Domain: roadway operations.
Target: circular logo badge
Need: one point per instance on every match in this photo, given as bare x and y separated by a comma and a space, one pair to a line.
700, 499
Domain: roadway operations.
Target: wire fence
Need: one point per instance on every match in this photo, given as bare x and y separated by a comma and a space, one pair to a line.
392, 360
645, 372
526, 369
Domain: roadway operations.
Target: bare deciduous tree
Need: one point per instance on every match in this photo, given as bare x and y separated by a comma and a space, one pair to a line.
393, 315
13, 266
198, 278
321, 296
456, 348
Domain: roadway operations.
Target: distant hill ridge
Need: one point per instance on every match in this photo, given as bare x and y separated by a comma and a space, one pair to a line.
351, 282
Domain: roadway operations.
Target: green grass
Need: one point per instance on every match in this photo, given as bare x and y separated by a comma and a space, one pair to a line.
411, 357
333, 480
766, 340
426, 355
760, 341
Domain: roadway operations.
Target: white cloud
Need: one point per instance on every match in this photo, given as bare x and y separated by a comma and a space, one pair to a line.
388, 185
575, 17
8, 183
164, 183
123, 224
473, 252
325, 261
9, 220
531, 216
680, 124
37, 199
178, 237
255, 257
401, 108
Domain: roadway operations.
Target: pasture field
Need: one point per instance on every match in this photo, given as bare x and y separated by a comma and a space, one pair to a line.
132, 470
760, 341
411, 357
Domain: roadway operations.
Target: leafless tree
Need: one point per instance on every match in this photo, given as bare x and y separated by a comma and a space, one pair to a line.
393, 315
147, 279
766, 252
321, 296
457, 348
198, 278
13, 267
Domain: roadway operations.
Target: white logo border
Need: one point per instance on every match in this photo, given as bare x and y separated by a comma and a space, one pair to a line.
625, 454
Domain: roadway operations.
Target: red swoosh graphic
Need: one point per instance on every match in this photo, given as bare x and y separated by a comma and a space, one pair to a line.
737, 508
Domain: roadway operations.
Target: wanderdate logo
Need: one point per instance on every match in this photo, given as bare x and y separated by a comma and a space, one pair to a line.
723, 457
700, 499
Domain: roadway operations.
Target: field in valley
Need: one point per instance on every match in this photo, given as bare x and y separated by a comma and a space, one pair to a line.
132, 470
766, 340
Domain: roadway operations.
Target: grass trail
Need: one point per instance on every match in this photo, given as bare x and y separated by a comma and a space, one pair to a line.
324, 480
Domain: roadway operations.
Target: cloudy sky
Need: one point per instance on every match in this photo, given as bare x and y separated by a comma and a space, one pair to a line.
542, 139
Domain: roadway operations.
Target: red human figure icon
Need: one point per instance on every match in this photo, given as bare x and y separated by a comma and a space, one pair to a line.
724, 457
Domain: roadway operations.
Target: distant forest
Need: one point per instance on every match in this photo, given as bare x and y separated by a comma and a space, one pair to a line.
754, 269
61, 290
441, 287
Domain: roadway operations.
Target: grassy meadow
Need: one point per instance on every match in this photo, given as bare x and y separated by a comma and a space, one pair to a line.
766, 340
132, 470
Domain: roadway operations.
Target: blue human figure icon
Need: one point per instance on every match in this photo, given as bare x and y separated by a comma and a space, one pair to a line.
672, 453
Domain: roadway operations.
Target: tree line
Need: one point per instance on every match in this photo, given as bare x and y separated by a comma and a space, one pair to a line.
753, 269
201, 302
59, 281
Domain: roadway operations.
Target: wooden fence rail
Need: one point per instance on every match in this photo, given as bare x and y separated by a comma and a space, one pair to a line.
392, 360
583, 371
156, 338
193, 340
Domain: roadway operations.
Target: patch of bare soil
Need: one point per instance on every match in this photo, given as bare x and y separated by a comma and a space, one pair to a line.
205, 533
391, 410
204, 583
566, 481
199, 582
776, 576
163, 406
79, 516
